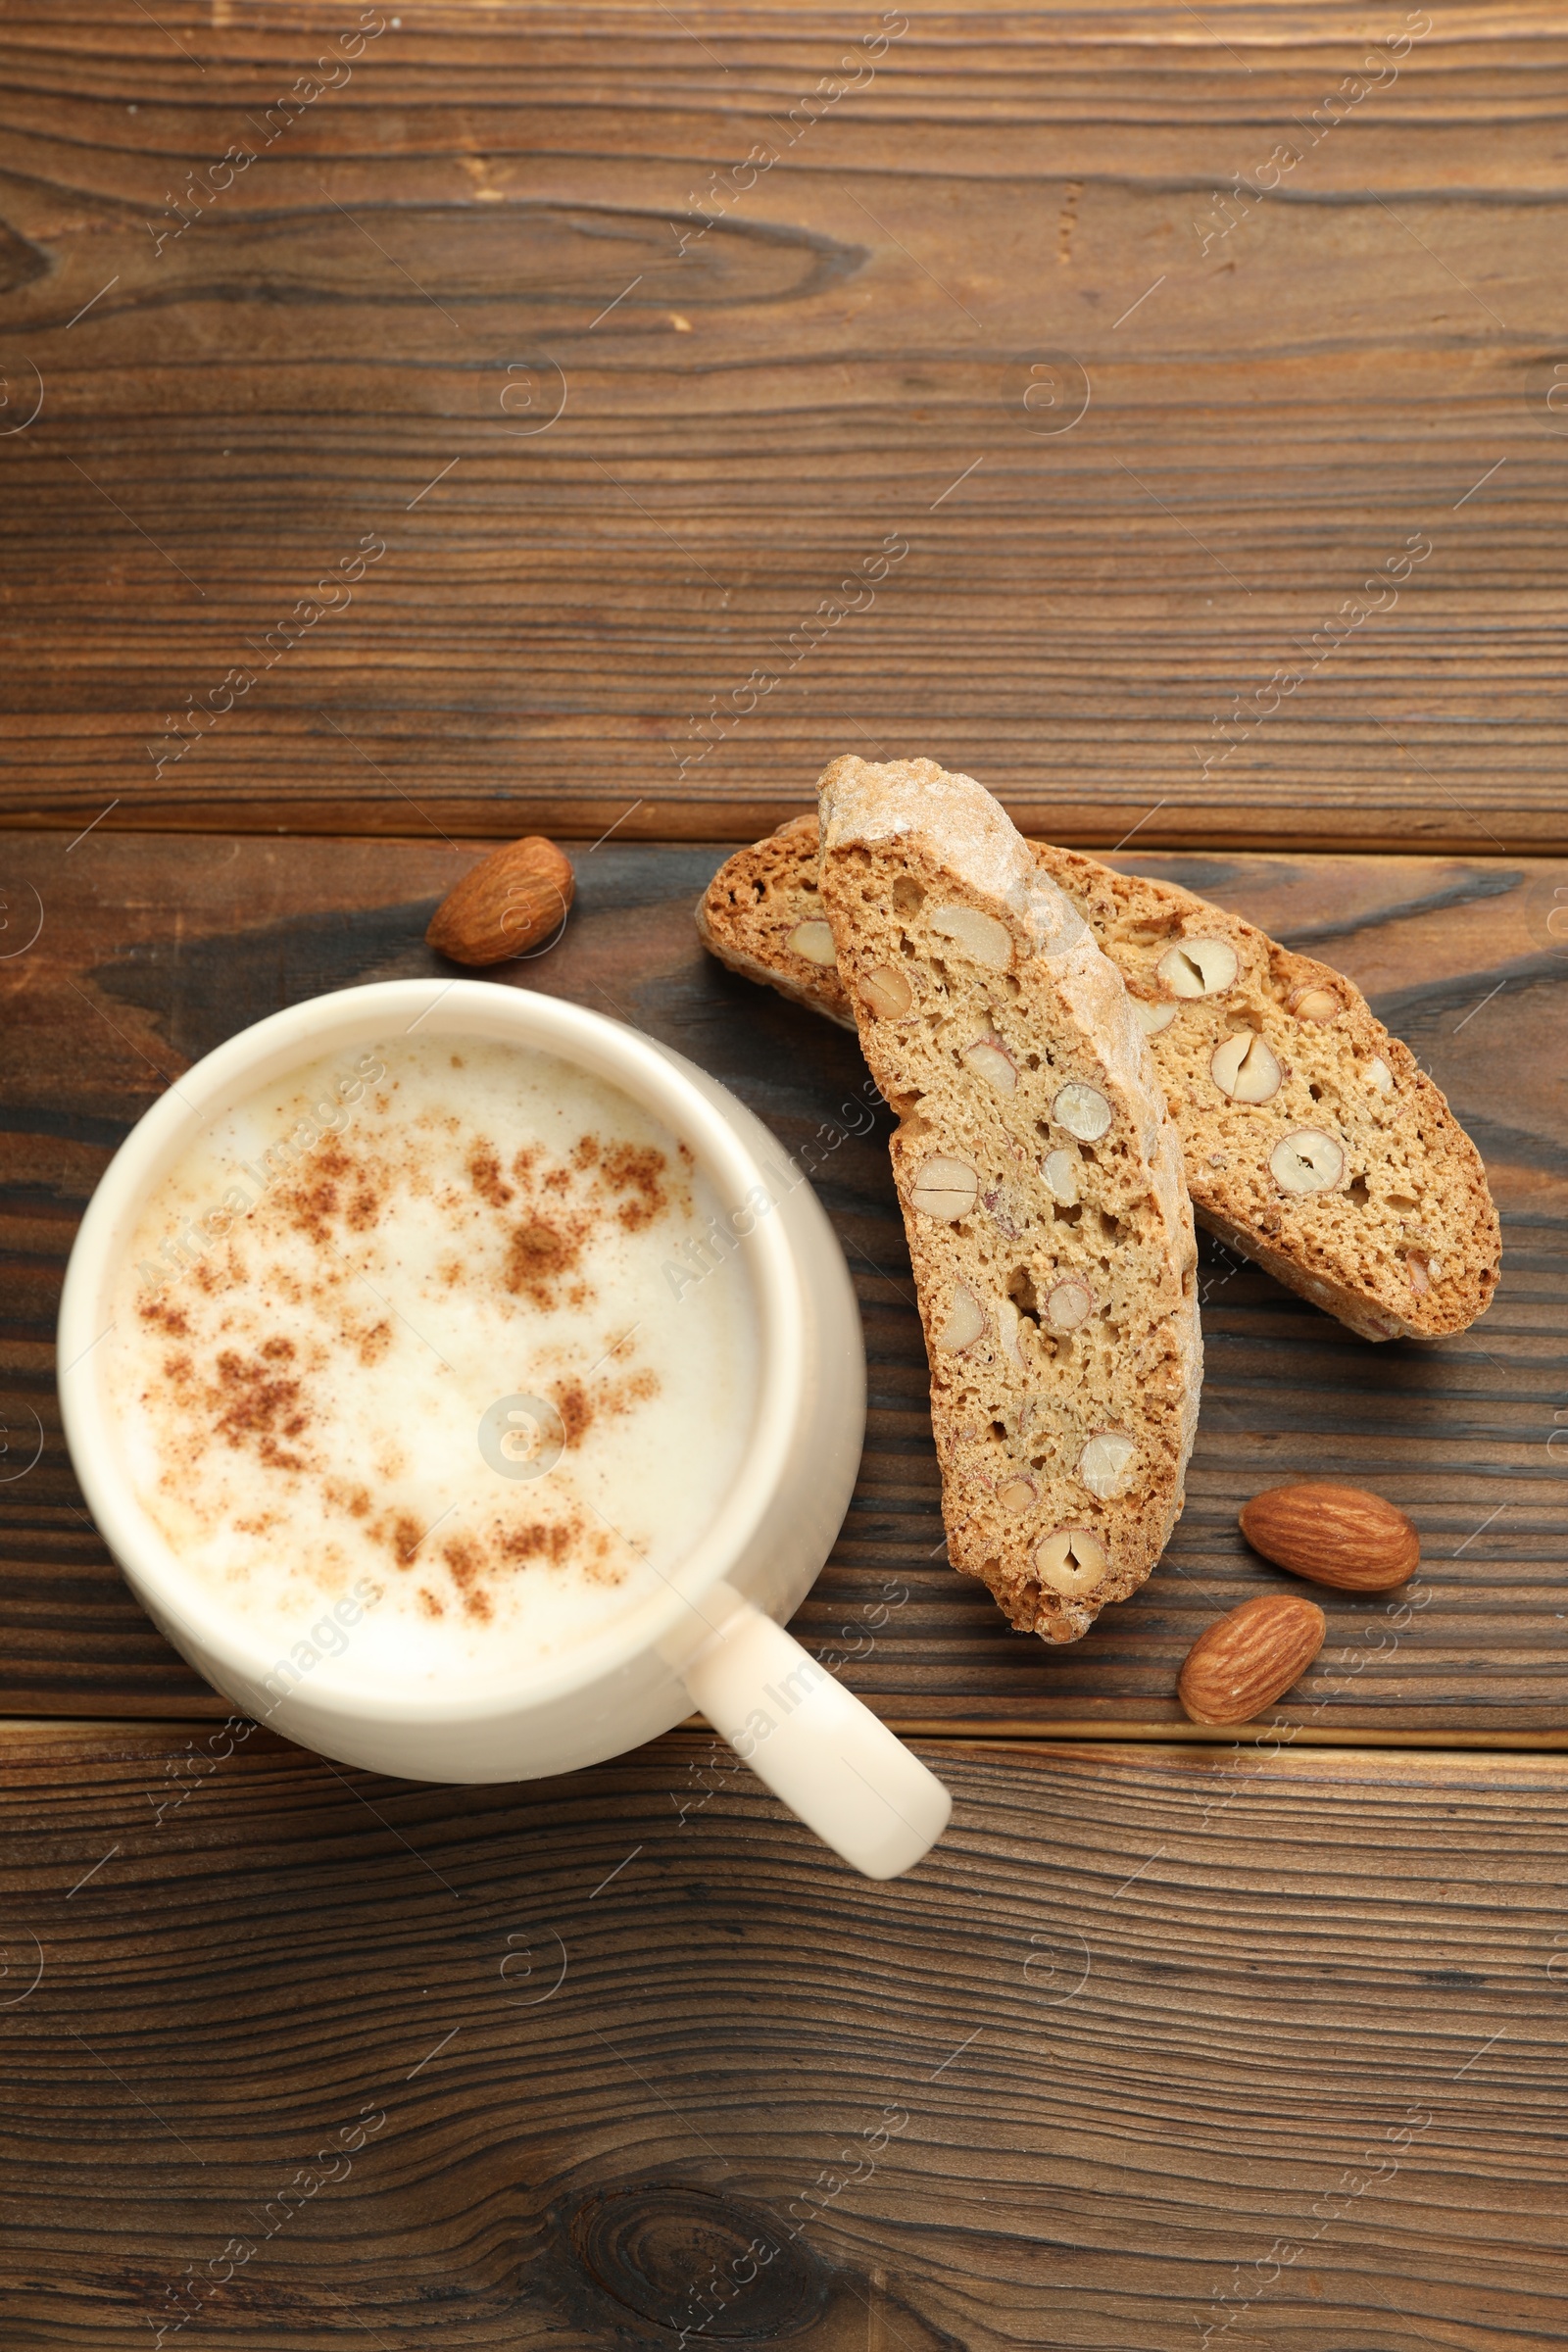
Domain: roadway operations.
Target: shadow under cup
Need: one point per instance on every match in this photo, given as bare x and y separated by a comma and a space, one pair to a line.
617, 1686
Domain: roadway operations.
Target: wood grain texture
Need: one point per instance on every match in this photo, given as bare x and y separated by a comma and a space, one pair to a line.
150, 951
633, 336
1155, 2040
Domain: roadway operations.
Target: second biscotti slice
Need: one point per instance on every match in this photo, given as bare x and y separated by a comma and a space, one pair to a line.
1313, 1142
1041, 1184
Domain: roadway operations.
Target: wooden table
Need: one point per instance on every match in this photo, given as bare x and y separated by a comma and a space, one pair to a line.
586, 356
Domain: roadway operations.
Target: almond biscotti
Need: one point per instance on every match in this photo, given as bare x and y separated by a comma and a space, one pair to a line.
1040, 1179
762, 915
1312, 1141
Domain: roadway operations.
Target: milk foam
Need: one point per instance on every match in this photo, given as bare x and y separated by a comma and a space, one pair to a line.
324, 1301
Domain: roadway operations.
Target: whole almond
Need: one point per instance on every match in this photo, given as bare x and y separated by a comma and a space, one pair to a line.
506, 904
1339, 1536
1245, 1661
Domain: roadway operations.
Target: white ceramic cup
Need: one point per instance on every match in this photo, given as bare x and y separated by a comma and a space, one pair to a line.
713, 1635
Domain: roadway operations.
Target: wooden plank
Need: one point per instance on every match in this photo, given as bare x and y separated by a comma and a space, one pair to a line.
862, 355
151, 951
1155, 2042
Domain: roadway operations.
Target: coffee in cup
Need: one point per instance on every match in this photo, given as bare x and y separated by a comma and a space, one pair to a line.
433, 1326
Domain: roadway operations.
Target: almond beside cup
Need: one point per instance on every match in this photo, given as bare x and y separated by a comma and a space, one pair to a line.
509, 902
1250, 1658
1333, 1535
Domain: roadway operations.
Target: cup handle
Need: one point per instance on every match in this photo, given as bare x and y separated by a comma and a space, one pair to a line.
816, 1746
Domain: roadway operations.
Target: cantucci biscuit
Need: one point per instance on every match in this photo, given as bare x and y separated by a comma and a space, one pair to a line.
1041, 1183
762, 915
1312, 1141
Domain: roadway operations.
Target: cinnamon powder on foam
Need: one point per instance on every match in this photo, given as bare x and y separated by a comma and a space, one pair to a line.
255, 1343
